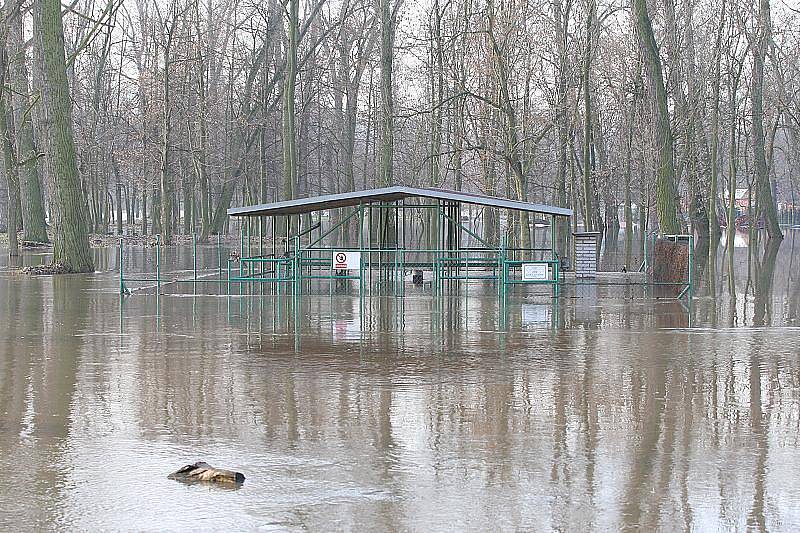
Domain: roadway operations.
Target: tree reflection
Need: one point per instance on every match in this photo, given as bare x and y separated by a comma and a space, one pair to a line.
764, 277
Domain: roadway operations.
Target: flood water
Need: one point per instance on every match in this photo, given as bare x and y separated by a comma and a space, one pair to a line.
609, 408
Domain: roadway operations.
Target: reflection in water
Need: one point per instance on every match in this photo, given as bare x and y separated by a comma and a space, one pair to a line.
602, 410
793, 283
765, 272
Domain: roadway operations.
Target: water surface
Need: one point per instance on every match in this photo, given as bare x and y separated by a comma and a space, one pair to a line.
610, 408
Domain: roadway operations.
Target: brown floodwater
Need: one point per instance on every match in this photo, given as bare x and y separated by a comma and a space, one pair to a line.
609, 408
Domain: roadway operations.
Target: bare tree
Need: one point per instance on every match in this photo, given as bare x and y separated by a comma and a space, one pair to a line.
71, 243
665, 176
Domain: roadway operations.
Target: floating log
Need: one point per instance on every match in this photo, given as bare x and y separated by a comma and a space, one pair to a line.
47, 269
201, 471
34, 244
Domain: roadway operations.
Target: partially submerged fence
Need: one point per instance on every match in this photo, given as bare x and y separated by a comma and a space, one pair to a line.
669, 262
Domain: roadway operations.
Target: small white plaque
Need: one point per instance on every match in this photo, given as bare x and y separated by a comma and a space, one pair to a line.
535, 272
346, 260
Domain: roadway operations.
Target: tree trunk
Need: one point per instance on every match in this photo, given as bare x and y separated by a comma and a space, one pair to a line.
386, 158
188, 205
71, 242
713, 215
31, 197
588, 212
10, 165
666, 205
155, 209
130, 202
512, 144
766, 201
118, 190
437, 96
732, 170
200, 162
627, 200
166, 130
145, 227
561, 17
290, 82
685, 112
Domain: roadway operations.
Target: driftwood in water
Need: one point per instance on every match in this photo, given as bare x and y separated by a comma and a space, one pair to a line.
201, 471
47, 269
34, 244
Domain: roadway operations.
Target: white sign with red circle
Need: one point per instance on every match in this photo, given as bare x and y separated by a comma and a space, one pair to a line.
346, 260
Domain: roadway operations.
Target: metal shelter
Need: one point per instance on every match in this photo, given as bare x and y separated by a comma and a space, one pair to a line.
382, 241
387, 236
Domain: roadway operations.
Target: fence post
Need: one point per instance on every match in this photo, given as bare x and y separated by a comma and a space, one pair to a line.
158, 262
219, 254
691, 265
121, 278
194, 254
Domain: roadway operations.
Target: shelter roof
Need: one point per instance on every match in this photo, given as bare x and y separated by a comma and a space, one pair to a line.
390, 194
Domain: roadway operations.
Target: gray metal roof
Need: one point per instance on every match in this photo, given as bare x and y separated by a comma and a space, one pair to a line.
390, 194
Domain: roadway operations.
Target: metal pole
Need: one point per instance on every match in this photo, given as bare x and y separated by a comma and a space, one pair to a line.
194, 254
501, 267
249, 254
369, 243
158, 262
361, 263
219, 254
298, 273
241, 252
277, 266
691, 265
438, 246
121, 279
261, 244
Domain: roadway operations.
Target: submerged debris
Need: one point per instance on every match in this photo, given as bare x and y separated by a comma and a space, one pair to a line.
45, 269
201, 471
34, 244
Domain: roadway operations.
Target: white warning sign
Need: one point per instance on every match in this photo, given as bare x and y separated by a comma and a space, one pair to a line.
346, 260
535, 272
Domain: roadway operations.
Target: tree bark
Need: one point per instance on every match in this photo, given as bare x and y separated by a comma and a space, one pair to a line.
732, 171
118, 193
9, 163
71, 242
561, 15
588, 208
627, 194
766, 202
512, 143
666, 205
165, 186
31, 196
290, 82
386, 158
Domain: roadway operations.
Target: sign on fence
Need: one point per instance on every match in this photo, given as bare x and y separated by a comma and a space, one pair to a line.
346, 260
535, 272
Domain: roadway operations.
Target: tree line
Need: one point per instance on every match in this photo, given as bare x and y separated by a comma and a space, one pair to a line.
156, 116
